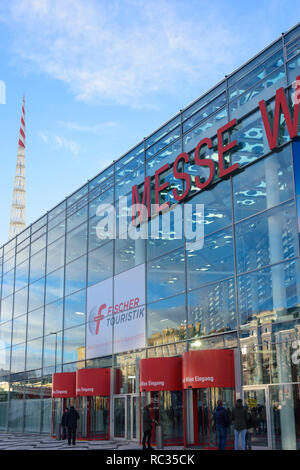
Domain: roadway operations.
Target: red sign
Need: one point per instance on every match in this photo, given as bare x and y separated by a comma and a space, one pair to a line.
204, 369
160, 373
281, 107
93, 382
64, 385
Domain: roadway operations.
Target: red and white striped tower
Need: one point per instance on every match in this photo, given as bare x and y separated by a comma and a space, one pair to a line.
18, 207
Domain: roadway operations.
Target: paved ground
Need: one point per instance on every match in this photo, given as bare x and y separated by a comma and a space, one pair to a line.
15, 441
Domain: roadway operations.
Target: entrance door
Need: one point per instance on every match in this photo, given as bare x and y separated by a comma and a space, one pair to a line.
200, 426
94, 417
126, 417
257, 400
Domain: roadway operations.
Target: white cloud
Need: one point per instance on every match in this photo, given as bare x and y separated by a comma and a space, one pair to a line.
100, 128
59, 141
122, 51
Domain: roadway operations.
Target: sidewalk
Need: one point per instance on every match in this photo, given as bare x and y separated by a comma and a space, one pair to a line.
16, 441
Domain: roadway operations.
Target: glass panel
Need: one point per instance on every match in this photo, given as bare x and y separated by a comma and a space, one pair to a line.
55, 285
75, 309
55, 255
256, 402
78, 195
171, 416
104, 199
75, 275
52, 349
207, 128
35, 324
269, 295
17, 360
100, 263
54, 317
165, 276
33, 413
20, 303
209, 109
99, 415
263, 185
57, 210
6, 309
217, 206
119, 417
167, 155
8, 264
38, 245
130, 162
37, 266
22, 255
76, 242
166, 321
76, 219
16, 410
129, 253
124, 186
163, 131
8, 283
74, 344
211, 309
22, 275
5, 341
213, 94
36, 294
165, 232
56, 232
19, 329
213, 261
285, 418
34, 354
163, 143
296, 160
267, 238
293, 67
293, 48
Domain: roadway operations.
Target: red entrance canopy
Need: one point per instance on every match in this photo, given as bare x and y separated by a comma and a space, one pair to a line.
64, 385
212, 368
160, 373
93, 382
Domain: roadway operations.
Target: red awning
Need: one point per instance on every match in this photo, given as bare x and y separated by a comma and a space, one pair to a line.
160, 373
93, 382
204, 369
64, 385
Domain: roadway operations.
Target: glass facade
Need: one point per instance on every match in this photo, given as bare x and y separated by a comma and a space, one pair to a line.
240, 290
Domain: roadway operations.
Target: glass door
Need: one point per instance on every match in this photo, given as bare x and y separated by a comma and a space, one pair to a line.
135, 417
257, 401
120, 416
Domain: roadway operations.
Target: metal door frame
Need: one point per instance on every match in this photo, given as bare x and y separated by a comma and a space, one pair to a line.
124, 396
268, 415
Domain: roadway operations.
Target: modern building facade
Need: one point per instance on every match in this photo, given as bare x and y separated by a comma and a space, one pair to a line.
111, 321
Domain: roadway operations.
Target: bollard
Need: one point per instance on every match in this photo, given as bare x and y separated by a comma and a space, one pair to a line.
58, 431
159, 437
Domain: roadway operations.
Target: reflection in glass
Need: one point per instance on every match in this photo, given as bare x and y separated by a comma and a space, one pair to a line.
75, 309
55, 285
165, 276
100, 263
76, 242
166, 321
74, 344
213, 262
263, 185
35, 324
75, 275
54, 317
267, 238
211, 309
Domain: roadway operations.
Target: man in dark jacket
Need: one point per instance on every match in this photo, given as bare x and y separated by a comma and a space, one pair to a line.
64, 423
221, 419
147, 427
239, 418
71, 422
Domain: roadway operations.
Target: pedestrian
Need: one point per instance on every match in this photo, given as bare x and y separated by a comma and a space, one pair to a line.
64, 424
71, 422
147, 427
222, 421
239, 418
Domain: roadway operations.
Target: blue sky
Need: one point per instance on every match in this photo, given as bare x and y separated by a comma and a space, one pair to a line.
99, 76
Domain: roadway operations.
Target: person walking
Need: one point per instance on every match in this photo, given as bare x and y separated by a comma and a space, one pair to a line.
239, 418
222, 421
64, 423
147, 427
71, 422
